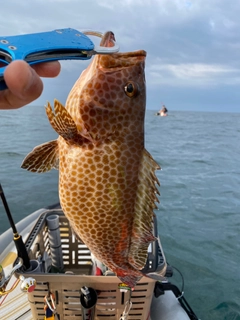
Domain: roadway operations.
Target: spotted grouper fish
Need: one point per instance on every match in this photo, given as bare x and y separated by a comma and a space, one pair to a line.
107, 182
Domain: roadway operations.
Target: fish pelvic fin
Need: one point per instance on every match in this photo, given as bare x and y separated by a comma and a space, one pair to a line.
146, 197
63, 123
42, 158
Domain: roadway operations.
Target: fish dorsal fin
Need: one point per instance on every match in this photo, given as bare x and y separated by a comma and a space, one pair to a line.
143, 219
42, 158
63, 123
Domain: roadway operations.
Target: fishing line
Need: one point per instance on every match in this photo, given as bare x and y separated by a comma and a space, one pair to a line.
182, 290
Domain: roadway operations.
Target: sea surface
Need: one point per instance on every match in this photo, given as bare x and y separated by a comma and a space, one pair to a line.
199, 210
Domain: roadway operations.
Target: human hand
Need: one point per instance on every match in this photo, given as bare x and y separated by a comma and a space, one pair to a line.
24, 83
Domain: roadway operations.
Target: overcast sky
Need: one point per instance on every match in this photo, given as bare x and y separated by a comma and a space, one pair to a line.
193, 46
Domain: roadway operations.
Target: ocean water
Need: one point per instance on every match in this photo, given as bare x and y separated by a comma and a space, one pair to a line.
199, 210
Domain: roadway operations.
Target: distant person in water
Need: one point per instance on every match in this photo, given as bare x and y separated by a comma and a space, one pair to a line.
163, 112
24, 83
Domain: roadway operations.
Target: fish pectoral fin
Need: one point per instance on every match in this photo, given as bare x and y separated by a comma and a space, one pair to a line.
62, 123
42, 158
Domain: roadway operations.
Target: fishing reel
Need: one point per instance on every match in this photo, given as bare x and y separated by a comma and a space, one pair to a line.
27, 285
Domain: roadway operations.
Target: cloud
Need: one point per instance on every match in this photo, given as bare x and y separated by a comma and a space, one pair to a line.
192, 74
188, 43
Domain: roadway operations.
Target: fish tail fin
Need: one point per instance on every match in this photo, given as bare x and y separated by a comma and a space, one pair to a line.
42, 158
62, 122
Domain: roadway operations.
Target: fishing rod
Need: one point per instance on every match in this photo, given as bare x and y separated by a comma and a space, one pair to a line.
20, 246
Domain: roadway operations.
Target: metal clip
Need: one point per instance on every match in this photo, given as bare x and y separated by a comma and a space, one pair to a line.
128, 306
4, 280
49, 300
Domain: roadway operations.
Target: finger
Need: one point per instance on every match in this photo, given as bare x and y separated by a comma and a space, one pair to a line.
47, 69
24, 85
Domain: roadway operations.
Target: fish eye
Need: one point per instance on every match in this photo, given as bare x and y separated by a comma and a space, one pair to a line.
131, 89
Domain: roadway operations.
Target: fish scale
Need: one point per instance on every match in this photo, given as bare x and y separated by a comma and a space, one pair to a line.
107, 184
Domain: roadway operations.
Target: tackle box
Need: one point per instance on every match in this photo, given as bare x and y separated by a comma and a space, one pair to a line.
78, 269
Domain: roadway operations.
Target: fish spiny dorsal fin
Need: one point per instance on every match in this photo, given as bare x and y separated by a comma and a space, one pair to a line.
144, 206
42, 158
63, 123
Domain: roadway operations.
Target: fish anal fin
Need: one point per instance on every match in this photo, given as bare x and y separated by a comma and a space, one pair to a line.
63, 124
139, 252
138, 257
42, 158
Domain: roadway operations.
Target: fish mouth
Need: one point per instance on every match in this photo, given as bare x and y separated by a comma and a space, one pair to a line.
122, 59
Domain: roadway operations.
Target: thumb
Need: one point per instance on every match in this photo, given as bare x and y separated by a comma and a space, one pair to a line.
24, 85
